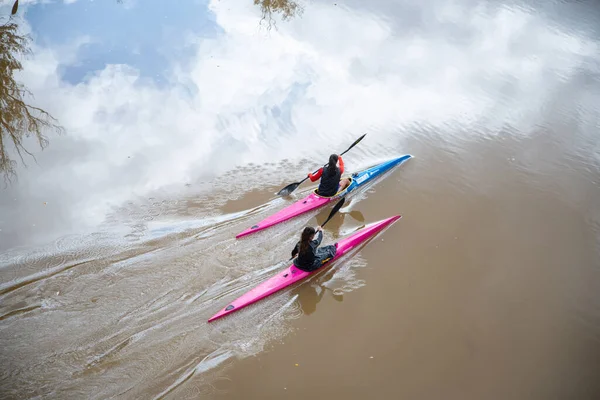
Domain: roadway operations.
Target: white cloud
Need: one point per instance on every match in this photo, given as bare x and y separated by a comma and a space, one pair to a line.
357, 73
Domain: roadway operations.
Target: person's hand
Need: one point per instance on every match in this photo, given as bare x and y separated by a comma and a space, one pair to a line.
319, 228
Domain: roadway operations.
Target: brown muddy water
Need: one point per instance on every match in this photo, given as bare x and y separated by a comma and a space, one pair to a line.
119, 243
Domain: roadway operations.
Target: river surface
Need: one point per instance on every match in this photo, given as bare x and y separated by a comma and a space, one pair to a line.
182, 121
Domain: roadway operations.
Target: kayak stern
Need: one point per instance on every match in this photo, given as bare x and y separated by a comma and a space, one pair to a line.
306, 204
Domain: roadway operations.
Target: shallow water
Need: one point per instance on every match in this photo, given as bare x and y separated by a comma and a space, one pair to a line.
118, 244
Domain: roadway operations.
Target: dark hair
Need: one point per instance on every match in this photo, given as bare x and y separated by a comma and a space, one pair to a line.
305, 239
332, 168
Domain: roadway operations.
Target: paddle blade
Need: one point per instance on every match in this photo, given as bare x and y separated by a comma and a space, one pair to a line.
336, 208
355, 143
288, 189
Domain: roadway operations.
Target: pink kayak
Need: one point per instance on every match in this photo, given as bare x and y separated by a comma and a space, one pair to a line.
307, 204
291, 274
313, 200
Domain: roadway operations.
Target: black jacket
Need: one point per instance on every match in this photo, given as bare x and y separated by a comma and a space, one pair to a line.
307, 259
329, 183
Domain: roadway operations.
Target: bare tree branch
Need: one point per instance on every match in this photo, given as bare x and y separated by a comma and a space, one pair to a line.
287, 9
17, 118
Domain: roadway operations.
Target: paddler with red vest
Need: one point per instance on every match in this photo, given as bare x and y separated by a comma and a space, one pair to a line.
331, 177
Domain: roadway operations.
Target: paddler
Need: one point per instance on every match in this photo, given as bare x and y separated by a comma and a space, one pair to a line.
330, 175
309, 255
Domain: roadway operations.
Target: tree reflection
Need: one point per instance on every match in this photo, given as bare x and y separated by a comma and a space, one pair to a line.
18, 120
287, 9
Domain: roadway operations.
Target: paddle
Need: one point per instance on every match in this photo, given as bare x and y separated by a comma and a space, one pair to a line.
293, 186
335, 209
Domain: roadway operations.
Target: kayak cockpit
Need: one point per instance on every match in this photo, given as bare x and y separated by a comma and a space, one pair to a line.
316, 191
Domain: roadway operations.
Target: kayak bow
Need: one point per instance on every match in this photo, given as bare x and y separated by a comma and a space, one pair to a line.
313, 200
291, 274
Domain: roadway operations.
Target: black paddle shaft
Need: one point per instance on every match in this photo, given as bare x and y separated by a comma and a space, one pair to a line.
335, 209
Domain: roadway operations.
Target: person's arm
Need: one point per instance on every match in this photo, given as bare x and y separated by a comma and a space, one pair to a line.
315, 176
296, 249
317, 240
341, 162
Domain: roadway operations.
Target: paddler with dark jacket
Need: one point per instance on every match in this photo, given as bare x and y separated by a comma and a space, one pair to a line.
310, 255
330, 175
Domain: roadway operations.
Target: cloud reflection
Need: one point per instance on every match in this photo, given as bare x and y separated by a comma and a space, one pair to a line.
245, 95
